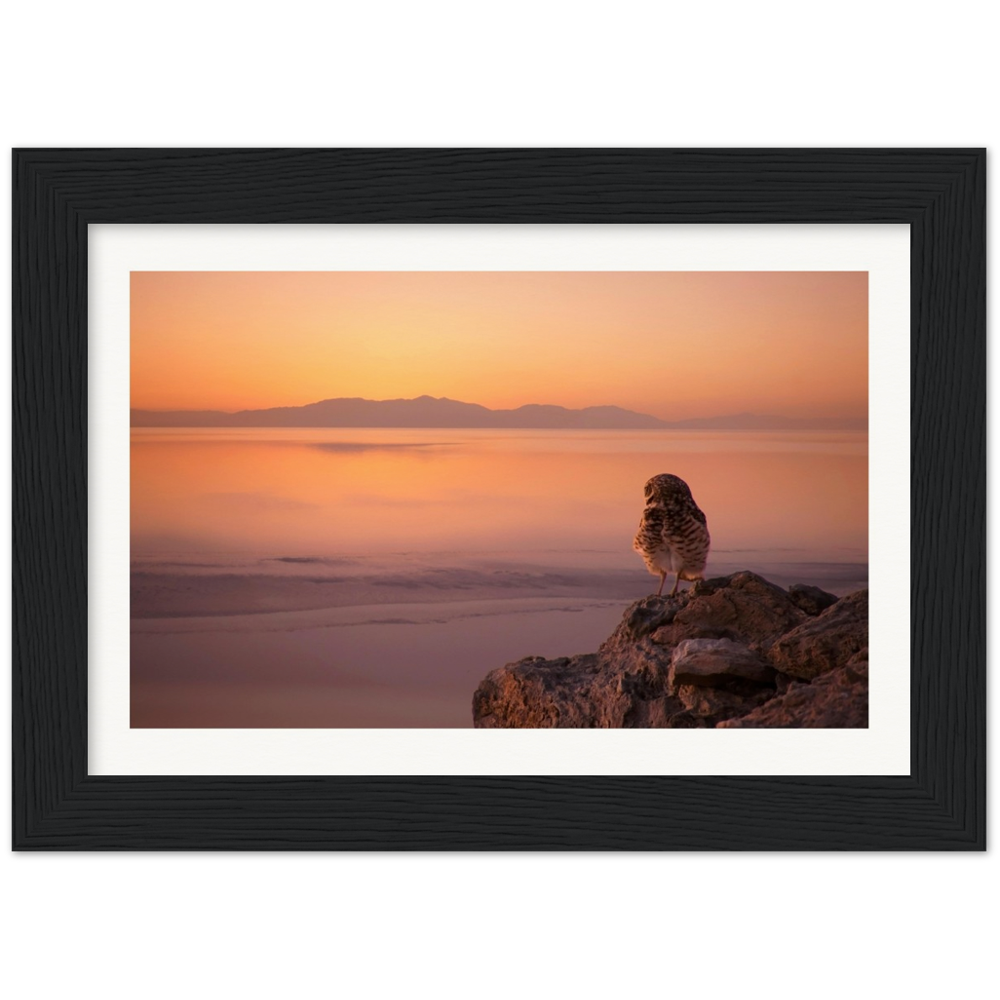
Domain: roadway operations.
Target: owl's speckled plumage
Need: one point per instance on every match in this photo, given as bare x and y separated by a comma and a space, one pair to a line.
673, 533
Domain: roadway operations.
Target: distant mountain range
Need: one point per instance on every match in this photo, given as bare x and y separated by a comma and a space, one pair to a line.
427, 411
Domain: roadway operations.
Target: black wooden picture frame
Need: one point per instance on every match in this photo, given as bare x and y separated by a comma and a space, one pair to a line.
940, 194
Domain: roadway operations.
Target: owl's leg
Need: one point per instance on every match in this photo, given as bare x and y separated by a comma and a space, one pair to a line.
663, 577
677, 580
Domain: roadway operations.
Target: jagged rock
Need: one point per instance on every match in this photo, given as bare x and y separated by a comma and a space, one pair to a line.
835, 700
825, 642
689, 720
717, 704
811, 600
655, 714
648, 614
717, 663
743, 607
537, 693
704, 657
575, 692
783, 682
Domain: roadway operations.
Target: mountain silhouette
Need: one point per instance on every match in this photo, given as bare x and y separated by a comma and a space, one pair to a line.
428, 411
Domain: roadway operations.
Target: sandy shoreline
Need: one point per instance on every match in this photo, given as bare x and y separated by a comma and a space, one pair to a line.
219, 590
415, 666
378, 664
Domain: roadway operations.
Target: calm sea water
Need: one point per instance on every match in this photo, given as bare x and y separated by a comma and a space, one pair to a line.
371, 577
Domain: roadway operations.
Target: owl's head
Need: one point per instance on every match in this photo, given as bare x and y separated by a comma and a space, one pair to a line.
665, 485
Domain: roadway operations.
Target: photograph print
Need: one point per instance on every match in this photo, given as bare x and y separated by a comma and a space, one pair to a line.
446, 499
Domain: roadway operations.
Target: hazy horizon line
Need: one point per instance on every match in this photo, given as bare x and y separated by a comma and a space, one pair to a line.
741, 414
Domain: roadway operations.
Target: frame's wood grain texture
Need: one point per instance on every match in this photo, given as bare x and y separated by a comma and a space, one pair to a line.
939, 193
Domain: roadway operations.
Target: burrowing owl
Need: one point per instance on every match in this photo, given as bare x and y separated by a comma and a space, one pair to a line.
673, 532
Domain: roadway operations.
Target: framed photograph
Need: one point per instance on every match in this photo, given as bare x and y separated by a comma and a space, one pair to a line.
499, 499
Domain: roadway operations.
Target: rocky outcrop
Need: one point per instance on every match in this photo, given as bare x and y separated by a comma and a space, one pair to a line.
826, 642
811, 600
838, 699
734, 651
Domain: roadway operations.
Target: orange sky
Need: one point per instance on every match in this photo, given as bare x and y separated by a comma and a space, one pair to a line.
672, 344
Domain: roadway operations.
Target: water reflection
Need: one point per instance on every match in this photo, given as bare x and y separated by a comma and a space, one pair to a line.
366, 491
236, 532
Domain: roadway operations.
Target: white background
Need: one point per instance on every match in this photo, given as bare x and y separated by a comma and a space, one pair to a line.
519, 68
780, 932
880, 250
535, 73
